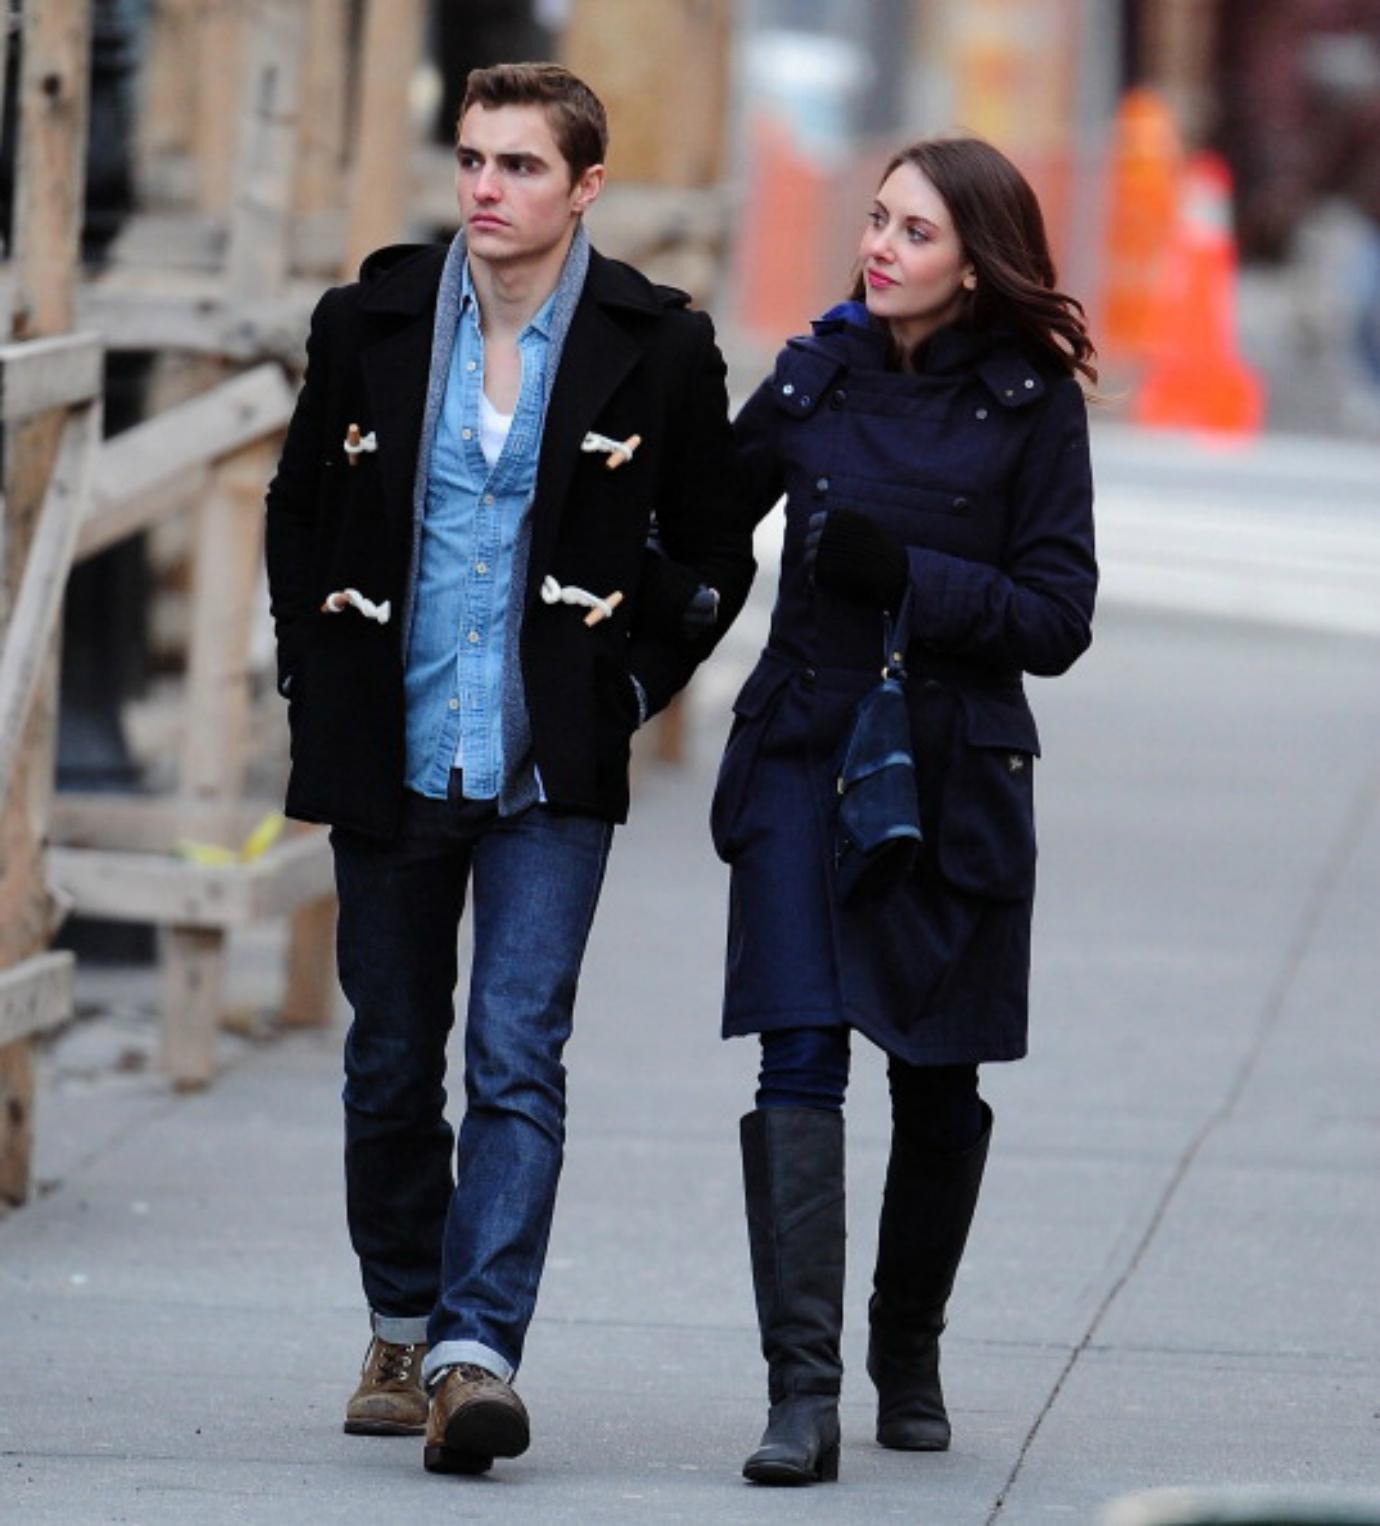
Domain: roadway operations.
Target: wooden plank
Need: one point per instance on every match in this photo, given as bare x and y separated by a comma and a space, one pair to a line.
662, 72
150, 887
53, 88
197, 321
310, 996
260, 209
378, 191
30, 631
167, 113
193, 979
318, 182
114, 522
225, 586
154, 455
220, 63
52, 116
39, 599
149, 823
156, 887
35, 995
289, 875
39, 374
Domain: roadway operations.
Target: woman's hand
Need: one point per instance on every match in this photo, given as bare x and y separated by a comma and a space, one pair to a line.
846, 552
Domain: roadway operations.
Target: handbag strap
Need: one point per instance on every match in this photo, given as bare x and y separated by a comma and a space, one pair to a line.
896, 638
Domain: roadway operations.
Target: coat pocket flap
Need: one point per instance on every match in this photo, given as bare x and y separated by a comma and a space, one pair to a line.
1001, 721
764, 680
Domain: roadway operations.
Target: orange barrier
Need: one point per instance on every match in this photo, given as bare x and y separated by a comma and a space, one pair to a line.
1197, 380
1141, 205
783, 233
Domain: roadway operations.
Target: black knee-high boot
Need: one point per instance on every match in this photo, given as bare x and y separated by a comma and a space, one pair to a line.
926, 1211
793, 1184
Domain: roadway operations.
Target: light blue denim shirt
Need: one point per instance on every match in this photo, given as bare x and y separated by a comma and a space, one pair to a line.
470, 528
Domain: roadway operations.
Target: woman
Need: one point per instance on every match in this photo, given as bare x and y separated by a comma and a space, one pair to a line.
931, 438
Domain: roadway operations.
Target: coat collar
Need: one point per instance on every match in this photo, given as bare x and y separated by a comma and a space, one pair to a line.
995, 356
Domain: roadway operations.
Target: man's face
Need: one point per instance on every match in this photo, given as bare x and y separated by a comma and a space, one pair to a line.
517, 202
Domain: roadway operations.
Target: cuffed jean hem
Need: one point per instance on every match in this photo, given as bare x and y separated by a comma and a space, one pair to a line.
450, 1353
400, 1329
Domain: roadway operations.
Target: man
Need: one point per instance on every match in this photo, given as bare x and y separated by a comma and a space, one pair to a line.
470, 626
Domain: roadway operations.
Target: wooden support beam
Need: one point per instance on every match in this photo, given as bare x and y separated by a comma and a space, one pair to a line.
198, 322
220, 64
193, 979
260, 208
35, 996
378, 192
39, 374
47, 201
177, 446
29, 634
155, 887
319, 178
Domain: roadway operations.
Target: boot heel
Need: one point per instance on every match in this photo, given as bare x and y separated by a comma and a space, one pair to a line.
828, 1472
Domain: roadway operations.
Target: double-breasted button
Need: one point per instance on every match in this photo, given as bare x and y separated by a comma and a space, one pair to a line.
1029, 383
981, 413
788, 390
808, 675
821, 484
839, 398
962, 505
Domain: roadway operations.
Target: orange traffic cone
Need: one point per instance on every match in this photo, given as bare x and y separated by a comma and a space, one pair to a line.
1142, 195
1196, 379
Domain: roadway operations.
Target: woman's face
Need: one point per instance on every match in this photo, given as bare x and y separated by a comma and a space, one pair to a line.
913, 266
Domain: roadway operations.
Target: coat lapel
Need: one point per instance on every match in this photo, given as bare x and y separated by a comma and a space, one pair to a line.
397, 367
598, 355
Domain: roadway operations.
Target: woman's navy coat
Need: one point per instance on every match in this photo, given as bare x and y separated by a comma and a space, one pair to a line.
979, 466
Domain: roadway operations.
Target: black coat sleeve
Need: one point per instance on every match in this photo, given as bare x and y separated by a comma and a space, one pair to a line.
291, 505
697, 527
1035, 611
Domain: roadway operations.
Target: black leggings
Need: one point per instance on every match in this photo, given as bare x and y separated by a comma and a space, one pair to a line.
935, 1106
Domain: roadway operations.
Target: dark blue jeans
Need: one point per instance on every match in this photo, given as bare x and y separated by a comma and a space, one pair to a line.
456, 1260
936, 1107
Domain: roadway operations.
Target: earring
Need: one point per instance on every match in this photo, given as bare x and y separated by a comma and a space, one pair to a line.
970, 282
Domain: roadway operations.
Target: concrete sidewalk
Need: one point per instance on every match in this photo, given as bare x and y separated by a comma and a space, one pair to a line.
1172, 1275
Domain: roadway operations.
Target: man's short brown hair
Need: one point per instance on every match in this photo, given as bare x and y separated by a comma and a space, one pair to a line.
575, 114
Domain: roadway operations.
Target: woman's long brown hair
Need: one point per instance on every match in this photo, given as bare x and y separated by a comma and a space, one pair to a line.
999, 223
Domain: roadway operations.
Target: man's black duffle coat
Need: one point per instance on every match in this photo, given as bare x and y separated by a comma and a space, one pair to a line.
635, 361
979, 467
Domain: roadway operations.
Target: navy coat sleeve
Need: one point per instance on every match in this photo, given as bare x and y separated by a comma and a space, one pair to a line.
1034, 612
758, 476
696, 523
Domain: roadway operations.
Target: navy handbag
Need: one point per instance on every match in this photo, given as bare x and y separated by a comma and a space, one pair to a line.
877, 828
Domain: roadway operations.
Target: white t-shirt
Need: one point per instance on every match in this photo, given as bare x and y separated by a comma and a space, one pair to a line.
493, 428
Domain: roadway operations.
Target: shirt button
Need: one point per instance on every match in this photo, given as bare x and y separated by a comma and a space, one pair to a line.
481, 568
467, 434
473, 638
453, 703
471, 365
488, 500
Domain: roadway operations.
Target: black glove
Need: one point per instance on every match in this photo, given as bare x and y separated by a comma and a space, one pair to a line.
846, 552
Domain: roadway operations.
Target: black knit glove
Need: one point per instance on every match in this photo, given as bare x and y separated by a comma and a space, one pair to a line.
847, 553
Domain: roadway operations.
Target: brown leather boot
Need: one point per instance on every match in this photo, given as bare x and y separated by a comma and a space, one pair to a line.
475, 1417
390, 1399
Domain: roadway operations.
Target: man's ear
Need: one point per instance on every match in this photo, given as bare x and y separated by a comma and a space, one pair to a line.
587, 188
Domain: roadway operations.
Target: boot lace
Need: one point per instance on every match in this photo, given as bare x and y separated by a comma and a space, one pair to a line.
394, 1363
